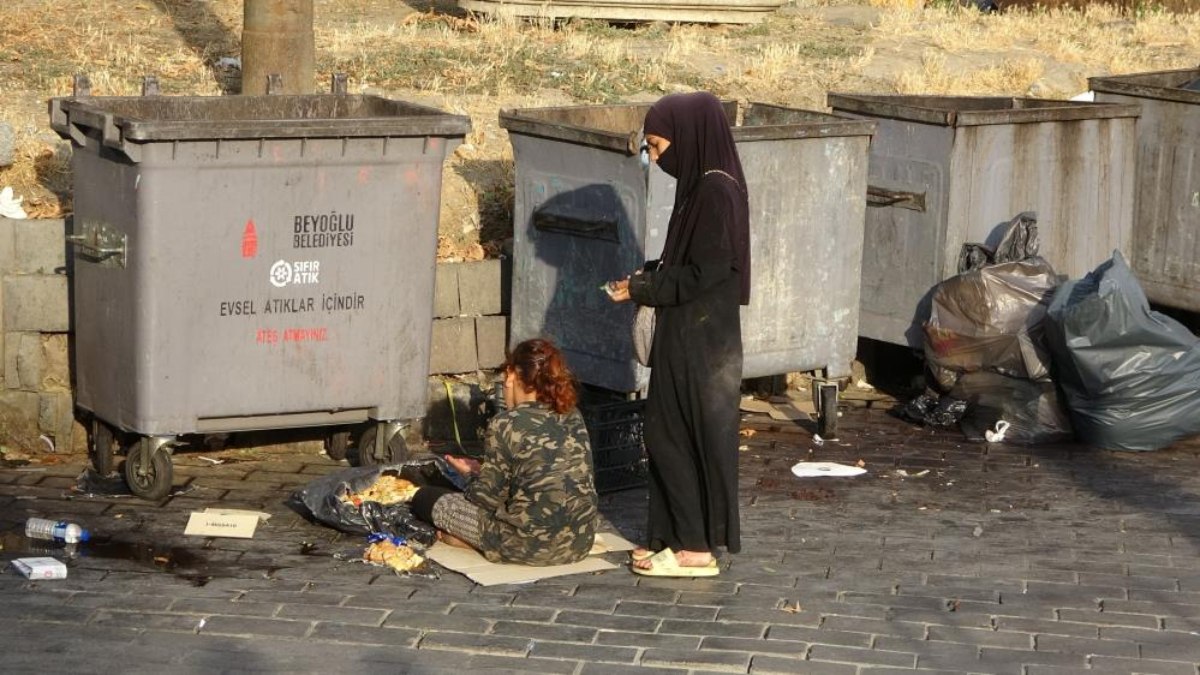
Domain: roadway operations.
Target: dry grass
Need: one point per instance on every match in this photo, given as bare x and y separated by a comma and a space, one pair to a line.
935, 76
478, 65
1009, 53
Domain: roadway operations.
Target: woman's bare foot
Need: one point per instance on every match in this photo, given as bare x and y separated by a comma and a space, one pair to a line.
451, 540
684, 558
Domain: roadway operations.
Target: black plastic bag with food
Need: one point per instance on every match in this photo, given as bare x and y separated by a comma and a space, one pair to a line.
328, 499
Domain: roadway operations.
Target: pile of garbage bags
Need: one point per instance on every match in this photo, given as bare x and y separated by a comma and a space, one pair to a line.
1009, 340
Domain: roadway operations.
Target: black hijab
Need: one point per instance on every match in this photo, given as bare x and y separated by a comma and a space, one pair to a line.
701, 141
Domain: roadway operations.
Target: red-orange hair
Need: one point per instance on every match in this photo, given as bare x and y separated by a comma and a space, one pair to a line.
541, 367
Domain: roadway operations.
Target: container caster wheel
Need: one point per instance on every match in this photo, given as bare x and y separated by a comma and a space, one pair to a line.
336, 444
102, 447
825, 400
394, 452
148, 468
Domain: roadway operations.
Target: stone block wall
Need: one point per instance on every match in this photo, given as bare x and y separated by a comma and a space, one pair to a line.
470, 335
469, 339
7, 144
471, 307
35, 396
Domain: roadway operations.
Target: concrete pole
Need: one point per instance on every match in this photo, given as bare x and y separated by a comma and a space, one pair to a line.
277, 37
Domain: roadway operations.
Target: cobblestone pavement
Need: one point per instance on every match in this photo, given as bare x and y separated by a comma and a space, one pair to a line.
1000, 559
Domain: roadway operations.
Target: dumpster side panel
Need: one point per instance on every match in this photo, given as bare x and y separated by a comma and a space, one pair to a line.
1166, 234
806, 252
903, 247
1076, 175
573, 234
104, 294
288, 287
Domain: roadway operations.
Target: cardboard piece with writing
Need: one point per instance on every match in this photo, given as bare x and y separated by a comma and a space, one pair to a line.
203, 524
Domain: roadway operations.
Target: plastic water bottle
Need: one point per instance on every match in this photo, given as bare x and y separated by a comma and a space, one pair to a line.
60, 531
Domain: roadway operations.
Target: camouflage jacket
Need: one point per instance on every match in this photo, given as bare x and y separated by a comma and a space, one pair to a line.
535, 488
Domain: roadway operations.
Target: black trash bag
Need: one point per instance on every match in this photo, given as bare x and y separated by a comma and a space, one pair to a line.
990, 319
1033, 410
1131, 376
323, 499
435, 472
397, 520
989, 316
1019, 241
933, 410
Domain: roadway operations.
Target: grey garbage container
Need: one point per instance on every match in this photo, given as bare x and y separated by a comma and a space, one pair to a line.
1166, 226
587, 211
251, 262
948, 170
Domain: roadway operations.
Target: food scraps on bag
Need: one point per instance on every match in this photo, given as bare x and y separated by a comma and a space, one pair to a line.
399, 557
387, 489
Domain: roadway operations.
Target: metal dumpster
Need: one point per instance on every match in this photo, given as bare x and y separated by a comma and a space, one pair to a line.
586, 211
251, 262
946, 170
1166, 229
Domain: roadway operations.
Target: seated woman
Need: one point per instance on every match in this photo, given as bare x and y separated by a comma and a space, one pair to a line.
532, 500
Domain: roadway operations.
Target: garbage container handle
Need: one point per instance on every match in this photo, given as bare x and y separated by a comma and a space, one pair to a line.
79, 119
101, 243
111, 134
881, 196
591, 228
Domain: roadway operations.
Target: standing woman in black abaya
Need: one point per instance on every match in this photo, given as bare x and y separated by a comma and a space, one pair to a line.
702, 279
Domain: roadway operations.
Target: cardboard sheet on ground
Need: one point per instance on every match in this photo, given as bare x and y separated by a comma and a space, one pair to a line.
788, 412
476, 568
784, 411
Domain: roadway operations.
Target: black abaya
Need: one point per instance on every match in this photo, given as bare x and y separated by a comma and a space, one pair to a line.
691, 426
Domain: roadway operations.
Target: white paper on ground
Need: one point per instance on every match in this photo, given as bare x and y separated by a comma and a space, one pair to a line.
818, 469
40, 568
239, 526
997, 436
475, 567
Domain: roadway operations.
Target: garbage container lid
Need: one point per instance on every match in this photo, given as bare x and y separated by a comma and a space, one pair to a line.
615, 127
173, 118
1166, 85
963, 111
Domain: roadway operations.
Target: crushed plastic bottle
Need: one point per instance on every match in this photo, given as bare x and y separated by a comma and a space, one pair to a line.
60, 531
